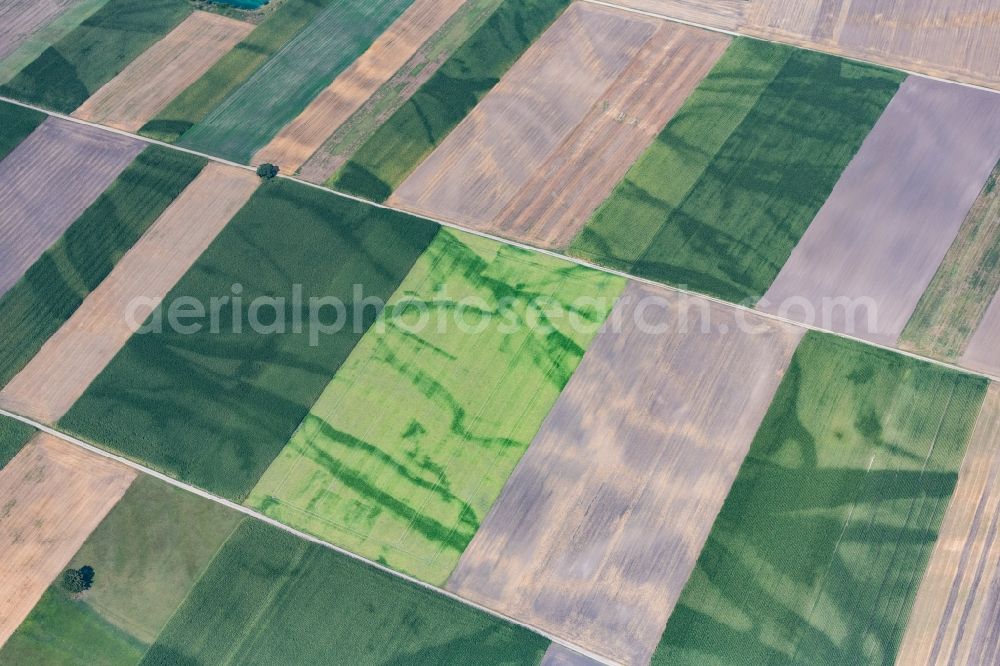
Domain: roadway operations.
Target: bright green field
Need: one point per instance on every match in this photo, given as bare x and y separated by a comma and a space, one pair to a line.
281, 88
214, 409
412, 132
147, 554
271, 598
233, 69
68, 72
13, 436
719, 200
817, 553
16, 123
55, 285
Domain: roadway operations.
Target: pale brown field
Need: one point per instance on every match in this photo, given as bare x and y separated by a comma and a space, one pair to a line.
955, 39
983, 352
956, 615
601, 523
303, 136
561, 196
72, 358
557, 655
723, 14
52, 496
20, 18
163, 71
506, 139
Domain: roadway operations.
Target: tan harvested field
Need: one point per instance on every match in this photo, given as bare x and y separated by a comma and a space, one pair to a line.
956, 615
983, 352
954, 39
557, 655
890, 220
52, 496
303, 136
722, 14
163, 71
600, 525
507, 138
19, 19
561, 196
72, 358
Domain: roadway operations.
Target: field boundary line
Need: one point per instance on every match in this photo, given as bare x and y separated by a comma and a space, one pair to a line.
71, 439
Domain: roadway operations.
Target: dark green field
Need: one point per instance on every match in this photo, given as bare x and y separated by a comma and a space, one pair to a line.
412, 132
271, 598
719, 200
214, 409
817, 553
16, 123
66, 74
55, 285
13, 436
226, 75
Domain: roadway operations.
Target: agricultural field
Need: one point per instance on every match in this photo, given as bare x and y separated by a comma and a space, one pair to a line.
426, 118
20, 18
599, 527
18, 123
900, 203
982, 353
291, 601
284, 86
165, 395
725, 14
13, 436
65, 74
331, 108
506, 138
958, 296
392, 94
557, 655
474, 348
148, 84
954, 617
33, 214
55, 286
98, 329
53, 495
818, 551
147, 554
754, 152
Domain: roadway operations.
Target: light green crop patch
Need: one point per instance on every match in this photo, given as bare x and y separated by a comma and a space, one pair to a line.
409, 446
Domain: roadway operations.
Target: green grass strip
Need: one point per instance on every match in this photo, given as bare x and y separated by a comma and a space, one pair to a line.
412, 132
233, 69
957, 298
17, 123
288, 601
720, 199
215, 408
819, 548
58, 282
13, 436
67, 73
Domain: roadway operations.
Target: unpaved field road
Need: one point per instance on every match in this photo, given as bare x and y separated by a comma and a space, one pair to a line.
163, 71
19, 19
52, 496
600, 525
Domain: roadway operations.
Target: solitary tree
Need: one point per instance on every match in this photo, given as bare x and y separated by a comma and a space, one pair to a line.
79, 580
267, 171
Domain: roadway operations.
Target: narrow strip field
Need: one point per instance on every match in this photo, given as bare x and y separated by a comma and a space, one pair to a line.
143, 88
73, 267
723, 14
98, 329
600, 525
285, 85
147, 555
64, 75
983, 352
412, 441
819, 548
900, 203
958, 39
349, 91
50, 178
956, 615
385, 101
719, 200
412, 132
19, 19
13, 436
563, 194
18, 123
505, 140
291, 601
52, 495
957, 298
244, 377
